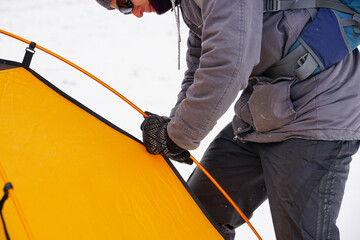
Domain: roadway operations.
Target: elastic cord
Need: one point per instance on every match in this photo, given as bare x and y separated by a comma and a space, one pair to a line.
176, 10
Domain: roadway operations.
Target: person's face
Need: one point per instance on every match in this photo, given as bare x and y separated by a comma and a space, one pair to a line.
140, 6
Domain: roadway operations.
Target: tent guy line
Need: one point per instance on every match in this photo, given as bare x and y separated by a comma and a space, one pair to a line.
30, 49
13, 197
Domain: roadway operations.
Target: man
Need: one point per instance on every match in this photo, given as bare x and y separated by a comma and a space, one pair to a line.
291, 139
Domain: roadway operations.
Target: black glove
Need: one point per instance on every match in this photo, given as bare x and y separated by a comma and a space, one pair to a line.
157, 140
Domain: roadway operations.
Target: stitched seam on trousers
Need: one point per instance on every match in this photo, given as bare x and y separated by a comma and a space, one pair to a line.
336, 163
325, 227
327, 222
321, 209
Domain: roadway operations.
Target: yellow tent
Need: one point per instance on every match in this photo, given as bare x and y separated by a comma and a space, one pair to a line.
77, 176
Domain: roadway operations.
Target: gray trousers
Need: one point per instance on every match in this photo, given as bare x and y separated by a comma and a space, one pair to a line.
304, 181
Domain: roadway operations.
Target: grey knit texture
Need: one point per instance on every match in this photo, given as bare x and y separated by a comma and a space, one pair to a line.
105, 4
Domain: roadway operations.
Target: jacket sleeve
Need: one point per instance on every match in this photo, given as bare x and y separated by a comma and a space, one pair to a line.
192, 59
230, 48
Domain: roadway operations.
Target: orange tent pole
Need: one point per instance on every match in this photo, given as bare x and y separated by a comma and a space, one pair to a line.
145, 115
78, 68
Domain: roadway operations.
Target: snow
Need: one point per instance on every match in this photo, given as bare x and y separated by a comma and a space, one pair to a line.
138, 58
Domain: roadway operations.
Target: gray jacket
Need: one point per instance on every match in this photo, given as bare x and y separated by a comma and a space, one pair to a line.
231, 44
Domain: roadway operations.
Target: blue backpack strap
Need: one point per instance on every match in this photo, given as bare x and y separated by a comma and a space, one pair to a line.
347, 6
327, 40
354, 21
353, 4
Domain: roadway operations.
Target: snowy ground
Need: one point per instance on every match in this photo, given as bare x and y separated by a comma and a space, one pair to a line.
138, 58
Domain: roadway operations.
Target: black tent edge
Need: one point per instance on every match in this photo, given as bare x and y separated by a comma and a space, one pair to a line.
13, 64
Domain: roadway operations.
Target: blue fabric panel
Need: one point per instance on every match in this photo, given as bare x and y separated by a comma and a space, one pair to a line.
324, 37
354, 4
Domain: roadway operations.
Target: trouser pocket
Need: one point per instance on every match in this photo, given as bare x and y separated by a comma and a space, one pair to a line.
266, 104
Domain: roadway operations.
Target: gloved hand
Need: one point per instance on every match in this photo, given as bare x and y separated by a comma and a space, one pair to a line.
157, 140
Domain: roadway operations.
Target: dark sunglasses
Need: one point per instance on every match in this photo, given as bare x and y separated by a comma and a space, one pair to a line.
125, 6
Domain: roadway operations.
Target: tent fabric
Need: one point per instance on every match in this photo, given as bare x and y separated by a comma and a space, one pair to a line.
77, 176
